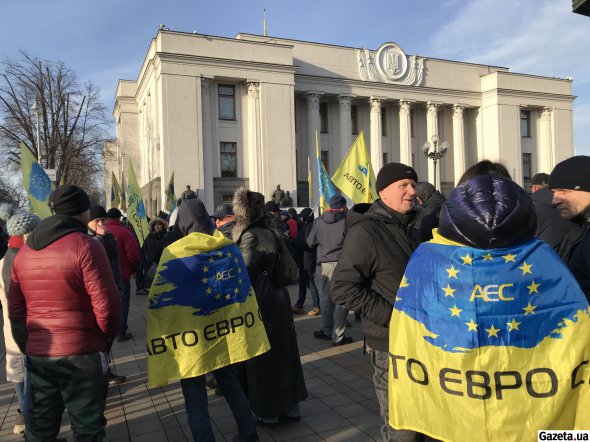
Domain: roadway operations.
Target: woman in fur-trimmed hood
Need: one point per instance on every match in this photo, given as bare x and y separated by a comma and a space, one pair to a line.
274, 380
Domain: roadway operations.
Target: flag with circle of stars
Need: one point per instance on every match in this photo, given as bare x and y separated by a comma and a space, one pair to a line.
202, 311
37, 184
207, 281
502, 297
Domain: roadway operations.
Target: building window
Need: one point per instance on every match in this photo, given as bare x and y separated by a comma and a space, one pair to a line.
527, 170
227, 197
385, 158
325, 155
227, 103
412, 130
354, 119
525, 123
324, 118
228, 159
384, 121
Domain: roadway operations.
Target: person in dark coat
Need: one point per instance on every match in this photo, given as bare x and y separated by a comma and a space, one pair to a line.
376, 250
152, 249
97, 231
570, 183
430, 202
193, 218
274, 380
225, 220
306, 257
551, 227
327, 234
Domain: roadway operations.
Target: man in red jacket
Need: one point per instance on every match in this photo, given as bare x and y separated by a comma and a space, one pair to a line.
64, 309
128, 249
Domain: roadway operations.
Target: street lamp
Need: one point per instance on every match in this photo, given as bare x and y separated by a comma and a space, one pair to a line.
37, 112
435, 152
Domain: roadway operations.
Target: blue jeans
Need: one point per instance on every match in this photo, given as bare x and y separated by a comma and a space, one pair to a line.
306, 281
125, 294
197, 412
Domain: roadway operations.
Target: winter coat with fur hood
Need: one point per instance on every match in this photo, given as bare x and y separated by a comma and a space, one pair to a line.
274, 380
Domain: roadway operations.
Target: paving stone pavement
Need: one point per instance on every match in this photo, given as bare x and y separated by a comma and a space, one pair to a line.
341, 406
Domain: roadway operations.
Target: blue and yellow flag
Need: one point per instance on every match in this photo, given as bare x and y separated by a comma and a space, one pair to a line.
37, 184
325, 186
488, 345
136, 209
170, 197
202, 311
115, 191
123, 192
355, 175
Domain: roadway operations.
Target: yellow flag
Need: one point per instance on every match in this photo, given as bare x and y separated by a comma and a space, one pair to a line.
488, 345
37, 184
135, 208
355, 175
202, 311
123, 192
115, 191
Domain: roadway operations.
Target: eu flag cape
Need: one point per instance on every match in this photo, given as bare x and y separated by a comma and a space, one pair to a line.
488, 345
37, 184
202, 311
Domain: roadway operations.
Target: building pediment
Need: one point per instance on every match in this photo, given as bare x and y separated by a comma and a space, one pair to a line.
389, 64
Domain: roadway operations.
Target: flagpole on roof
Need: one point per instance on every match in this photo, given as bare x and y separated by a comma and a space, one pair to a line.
264, 24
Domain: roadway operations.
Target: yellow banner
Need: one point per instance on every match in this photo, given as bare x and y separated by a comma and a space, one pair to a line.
135, 208
488, 345
202, 311
37, 184
355, 175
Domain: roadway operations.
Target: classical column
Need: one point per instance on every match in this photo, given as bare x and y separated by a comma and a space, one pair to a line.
405, 133
345, 126
458, 142
255, 157
376, 133
432, 129
313, 124
208, 199
546, 159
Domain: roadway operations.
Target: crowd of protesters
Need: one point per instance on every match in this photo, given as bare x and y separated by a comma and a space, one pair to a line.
66, 286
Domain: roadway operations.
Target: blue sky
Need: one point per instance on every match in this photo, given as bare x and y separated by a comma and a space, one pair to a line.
107, 40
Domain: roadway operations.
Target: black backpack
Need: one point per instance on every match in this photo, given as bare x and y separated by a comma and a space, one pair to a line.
284, 269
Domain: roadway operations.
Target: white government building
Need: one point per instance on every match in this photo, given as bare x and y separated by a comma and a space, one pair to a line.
222, 113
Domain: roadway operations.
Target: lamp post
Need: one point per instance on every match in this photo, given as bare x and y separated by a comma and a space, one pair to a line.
435, 152
37, 112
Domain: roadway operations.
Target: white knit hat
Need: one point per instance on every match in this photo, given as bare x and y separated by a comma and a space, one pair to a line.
18, 222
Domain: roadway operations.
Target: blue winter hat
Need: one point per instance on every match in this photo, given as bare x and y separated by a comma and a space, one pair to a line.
337, 202
18, 222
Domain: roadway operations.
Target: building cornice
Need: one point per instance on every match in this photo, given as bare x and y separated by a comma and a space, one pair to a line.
533, 94
227, 63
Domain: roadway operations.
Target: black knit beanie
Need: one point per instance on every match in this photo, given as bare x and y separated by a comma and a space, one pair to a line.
68, 200
392, 172
97, 212
573, 173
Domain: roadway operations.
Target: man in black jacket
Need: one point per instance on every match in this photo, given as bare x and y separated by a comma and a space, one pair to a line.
370, 268
570, 183
551, 227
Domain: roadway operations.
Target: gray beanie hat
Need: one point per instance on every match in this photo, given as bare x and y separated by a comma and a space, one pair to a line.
18, 222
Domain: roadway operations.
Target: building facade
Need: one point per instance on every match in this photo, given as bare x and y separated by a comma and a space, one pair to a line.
222, 113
